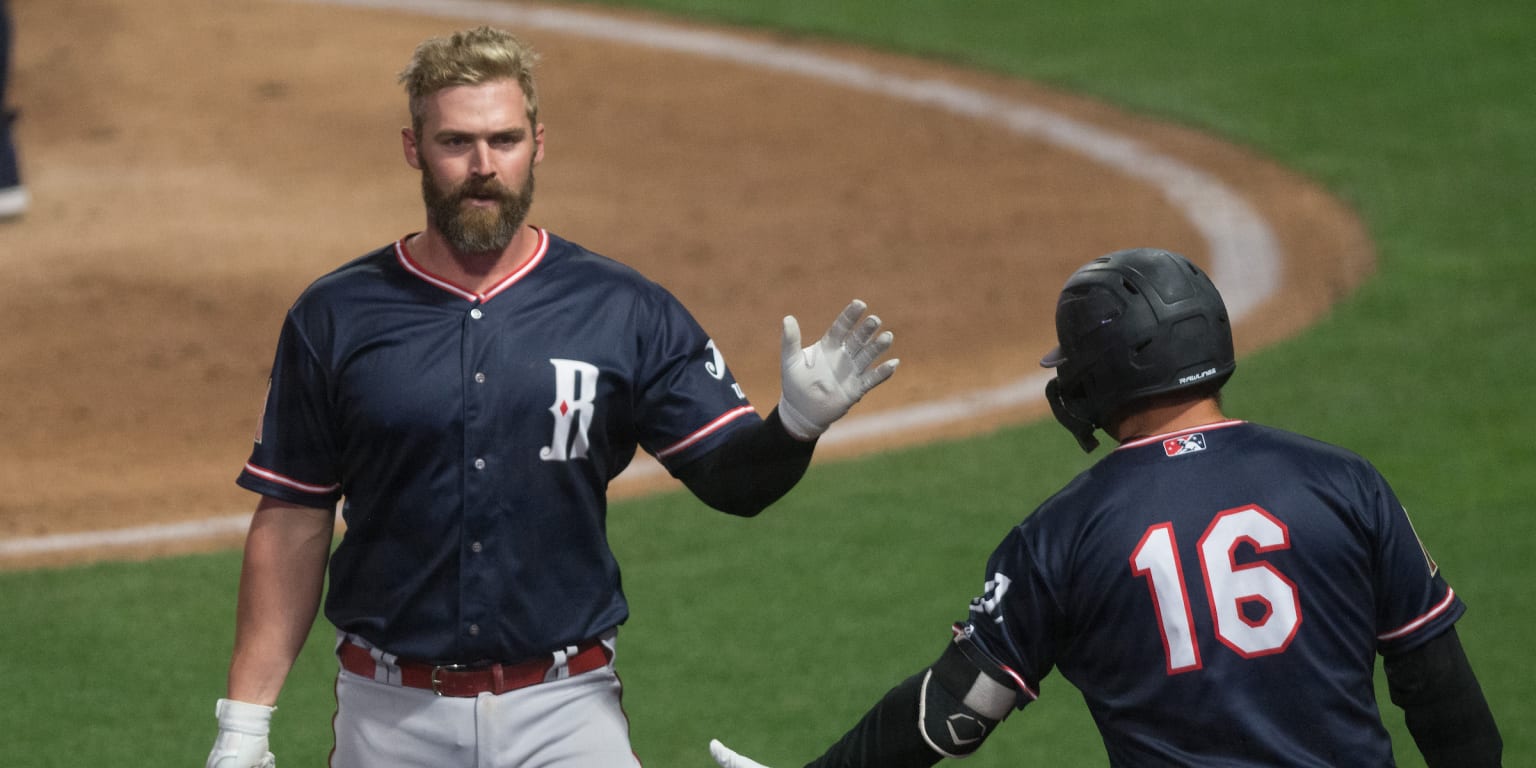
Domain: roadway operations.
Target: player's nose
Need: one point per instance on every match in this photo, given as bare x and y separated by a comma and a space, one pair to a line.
480, 160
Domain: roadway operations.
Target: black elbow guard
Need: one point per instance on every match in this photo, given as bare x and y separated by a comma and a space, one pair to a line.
964, 695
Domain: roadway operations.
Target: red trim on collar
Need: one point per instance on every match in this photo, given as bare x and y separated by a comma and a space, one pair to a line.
403, 255
1140, 441
533, 261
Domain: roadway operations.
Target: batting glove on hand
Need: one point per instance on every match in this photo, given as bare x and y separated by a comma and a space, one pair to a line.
242, 741
821, 382
728, 759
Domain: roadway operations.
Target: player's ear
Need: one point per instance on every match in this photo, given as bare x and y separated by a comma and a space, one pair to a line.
410, 147
538, 144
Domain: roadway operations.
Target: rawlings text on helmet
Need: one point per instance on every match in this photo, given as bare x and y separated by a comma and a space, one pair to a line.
1197, 377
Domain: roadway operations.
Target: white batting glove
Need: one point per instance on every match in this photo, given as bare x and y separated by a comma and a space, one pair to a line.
821, 382
728, 759
242, 741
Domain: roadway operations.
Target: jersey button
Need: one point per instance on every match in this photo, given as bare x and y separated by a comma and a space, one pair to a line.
475, 547
474, 629
479, 378
479, 463
476, 313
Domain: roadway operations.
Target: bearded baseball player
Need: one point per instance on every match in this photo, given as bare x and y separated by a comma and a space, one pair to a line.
1216, 589
467, 393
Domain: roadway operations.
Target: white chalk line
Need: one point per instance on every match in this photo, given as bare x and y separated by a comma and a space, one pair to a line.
1245, 254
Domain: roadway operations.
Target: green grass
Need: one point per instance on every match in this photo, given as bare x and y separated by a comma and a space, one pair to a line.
120, 663
775, 634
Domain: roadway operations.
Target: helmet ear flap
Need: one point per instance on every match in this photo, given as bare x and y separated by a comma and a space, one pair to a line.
1081, 428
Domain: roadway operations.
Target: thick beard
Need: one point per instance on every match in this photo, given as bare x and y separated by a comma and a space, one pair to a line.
476, 230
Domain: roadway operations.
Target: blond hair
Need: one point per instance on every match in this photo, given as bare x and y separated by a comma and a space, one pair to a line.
469, 57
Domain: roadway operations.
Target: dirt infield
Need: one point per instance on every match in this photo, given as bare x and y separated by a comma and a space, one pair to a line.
193, 165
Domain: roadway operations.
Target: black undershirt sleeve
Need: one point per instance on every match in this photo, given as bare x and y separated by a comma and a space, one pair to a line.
887, 736
751, 470
1443, 704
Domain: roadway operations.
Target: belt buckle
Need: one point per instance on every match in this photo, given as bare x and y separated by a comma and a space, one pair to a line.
436, 689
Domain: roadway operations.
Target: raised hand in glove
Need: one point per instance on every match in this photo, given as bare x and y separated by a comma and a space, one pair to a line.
242, 740
821, 382
728, 759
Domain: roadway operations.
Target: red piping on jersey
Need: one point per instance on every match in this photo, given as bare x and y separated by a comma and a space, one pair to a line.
404, 256
267, 474
1441, 607
705, 431
1140, 441
1019, 681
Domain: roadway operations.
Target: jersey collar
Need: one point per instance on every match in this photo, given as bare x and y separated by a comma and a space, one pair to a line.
1141, 441
403, 255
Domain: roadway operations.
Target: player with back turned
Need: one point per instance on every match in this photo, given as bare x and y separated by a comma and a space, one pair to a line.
467, 393
1218, 590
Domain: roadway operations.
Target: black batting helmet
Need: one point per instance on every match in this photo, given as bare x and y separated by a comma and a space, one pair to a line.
1131, 325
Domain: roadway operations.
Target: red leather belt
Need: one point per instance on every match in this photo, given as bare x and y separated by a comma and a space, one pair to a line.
468, 682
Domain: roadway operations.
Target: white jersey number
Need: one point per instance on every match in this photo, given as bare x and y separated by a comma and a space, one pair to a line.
1255, 607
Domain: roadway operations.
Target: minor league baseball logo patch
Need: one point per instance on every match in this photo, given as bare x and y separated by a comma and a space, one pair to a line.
1178, 446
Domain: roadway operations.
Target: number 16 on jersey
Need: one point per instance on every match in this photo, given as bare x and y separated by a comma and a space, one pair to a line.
1254, 607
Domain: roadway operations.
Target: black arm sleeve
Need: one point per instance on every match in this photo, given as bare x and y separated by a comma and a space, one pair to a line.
751, 470
887, 736
1443, 704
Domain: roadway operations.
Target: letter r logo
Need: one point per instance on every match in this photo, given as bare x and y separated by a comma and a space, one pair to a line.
575, 392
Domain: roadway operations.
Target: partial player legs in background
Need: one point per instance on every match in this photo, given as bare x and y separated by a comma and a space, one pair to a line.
13, 196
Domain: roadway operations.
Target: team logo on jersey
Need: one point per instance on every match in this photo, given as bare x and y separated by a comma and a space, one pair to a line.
261, 418
716, 368
575, 397
1178, 446
1429, 561
991, 601
716, 364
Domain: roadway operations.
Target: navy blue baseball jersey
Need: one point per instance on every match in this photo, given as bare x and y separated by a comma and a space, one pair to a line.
473, 438
1219, 596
